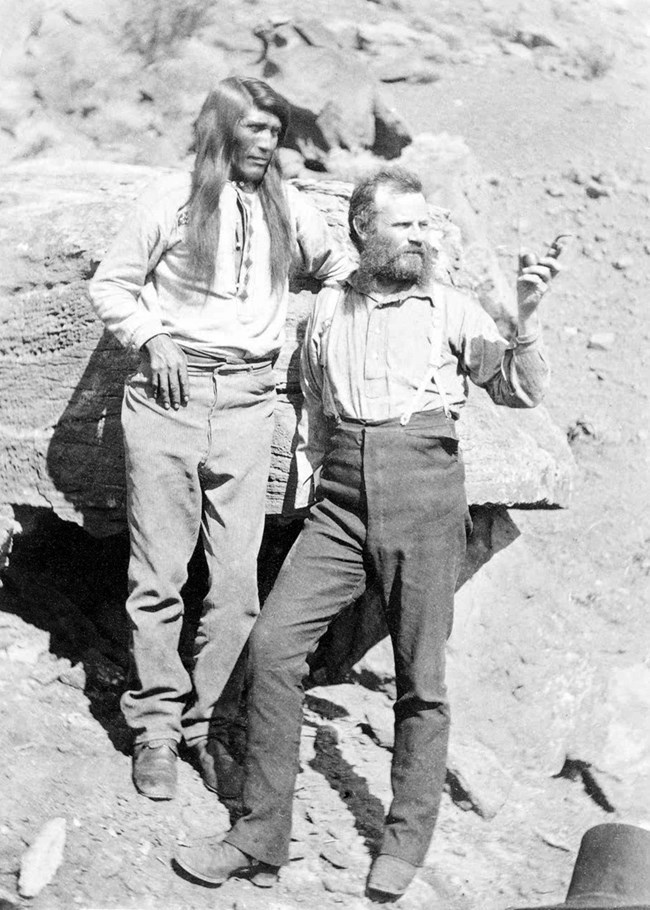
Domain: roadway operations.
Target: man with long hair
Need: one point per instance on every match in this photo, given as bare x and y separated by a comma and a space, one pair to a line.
197, 280
386, 360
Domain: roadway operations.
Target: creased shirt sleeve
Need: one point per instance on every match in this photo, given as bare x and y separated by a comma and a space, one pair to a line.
515, 375
313, 423
320, 255
118, 282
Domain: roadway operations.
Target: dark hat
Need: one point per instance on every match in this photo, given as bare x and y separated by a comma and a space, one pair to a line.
612, 871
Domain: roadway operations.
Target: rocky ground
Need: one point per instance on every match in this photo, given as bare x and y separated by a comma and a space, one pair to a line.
553, 734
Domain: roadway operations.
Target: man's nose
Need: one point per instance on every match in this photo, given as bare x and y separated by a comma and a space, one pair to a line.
267, 140
416, 234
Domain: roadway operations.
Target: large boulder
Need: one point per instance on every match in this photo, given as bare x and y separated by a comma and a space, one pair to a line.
451, 179
335, 99
62, 374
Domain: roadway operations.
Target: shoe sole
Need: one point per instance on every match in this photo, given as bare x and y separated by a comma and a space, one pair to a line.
220, 793
383, 880
261, 879
200, 876
157, 795
382, 893
264, 879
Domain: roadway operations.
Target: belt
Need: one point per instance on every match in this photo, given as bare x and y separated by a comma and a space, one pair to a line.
230, 365
434, 423
435, 417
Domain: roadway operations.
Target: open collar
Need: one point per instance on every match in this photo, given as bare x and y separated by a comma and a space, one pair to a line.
423, 293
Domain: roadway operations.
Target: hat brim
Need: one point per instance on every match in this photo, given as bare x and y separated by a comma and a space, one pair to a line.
585, 907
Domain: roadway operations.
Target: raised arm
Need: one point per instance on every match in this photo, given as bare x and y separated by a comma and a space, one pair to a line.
321, 256
535, 277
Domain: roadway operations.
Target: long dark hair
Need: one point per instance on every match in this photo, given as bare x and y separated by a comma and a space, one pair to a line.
214, 142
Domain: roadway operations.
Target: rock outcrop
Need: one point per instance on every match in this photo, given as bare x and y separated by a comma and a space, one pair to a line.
60, 439
340, 105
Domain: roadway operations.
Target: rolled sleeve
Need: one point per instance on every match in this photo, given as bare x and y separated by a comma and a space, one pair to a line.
528, 373
515, 375
320, 256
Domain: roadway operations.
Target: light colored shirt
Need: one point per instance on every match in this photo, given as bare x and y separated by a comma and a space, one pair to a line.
366, 357
143, 286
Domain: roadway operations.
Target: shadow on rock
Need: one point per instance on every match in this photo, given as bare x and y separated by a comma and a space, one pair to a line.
73, 586
85, 457
367, 810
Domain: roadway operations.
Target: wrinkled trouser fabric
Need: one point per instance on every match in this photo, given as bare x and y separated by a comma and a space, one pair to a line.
202, 472
392, 514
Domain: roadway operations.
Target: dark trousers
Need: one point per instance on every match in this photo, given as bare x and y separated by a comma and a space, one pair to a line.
392, 514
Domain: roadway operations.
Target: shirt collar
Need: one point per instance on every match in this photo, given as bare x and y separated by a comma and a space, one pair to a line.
423, 293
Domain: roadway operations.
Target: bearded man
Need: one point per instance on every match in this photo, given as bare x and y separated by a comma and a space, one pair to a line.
197, 281
385, 364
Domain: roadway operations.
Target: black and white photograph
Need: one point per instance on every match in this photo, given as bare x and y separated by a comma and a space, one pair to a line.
324, 454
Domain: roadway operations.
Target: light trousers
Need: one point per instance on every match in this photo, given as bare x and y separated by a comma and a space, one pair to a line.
196, 473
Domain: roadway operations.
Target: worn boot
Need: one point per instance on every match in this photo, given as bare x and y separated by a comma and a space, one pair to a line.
154, 768
212, 862
389, 876
219, 770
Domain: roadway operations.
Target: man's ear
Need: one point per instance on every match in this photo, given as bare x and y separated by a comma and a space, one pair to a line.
360, 228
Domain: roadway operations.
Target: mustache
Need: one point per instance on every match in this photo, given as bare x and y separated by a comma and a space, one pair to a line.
413, 250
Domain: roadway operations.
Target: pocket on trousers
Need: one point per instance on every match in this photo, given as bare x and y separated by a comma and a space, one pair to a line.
445, 454
442, 448
450, 446
266, 380
139, 384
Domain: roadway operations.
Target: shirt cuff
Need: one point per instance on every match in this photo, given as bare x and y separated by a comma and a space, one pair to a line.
524, 341
146, 331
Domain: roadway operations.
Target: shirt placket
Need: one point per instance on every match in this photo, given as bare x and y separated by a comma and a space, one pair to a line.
246, 261
374, 366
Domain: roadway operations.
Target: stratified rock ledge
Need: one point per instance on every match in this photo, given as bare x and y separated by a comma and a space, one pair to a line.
62, 374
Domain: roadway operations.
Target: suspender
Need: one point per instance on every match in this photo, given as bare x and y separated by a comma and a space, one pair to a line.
432, 373
328, 397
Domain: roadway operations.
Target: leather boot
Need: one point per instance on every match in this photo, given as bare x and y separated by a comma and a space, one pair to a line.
389, 876
154, 768
219, 770
212, 862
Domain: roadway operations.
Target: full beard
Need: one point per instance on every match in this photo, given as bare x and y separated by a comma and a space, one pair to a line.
379, 262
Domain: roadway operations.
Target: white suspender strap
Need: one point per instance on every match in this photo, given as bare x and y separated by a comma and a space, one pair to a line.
435, 375
414, 402
432, 375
